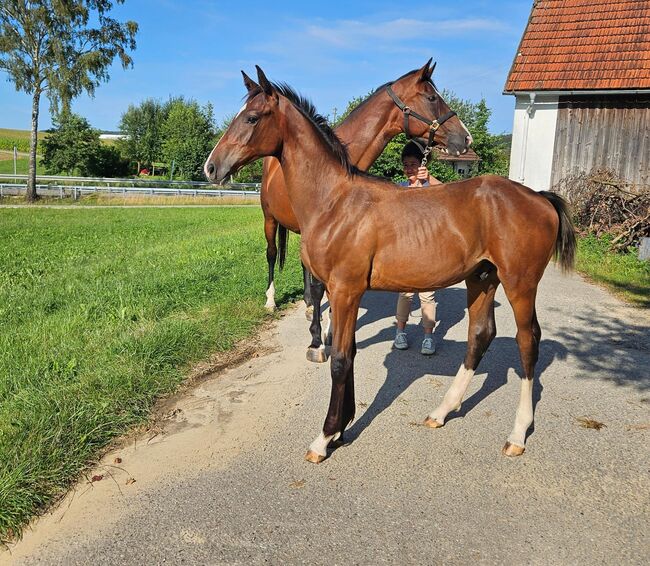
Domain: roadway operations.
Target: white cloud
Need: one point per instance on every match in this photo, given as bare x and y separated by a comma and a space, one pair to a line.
354, 34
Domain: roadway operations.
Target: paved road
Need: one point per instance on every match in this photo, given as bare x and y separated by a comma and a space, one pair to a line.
225, 481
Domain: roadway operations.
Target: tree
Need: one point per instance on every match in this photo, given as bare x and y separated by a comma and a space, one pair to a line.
487, 146
188, 137
142, 126
71, 146
51, 47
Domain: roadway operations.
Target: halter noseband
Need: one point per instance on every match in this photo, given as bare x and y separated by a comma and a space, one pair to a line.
433, 124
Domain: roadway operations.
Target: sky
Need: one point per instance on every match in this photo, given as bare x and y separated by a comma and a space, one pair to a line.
329, 51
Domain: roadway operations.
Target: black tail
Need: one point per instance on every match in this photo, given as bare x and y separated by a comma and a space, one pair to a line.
565, 244
283, 238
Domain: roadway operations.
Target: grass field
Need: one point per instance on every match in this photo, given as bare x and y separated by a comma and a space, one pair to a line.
624, 274
22, 166
103, 311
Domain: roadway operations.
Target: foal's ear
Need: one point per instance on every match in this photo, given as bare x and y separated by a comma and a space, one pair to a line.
427, 71
249, 83
267, 87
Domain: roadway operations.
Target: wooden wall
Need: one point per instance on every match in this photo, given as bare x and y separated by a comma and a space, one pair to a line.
610, 131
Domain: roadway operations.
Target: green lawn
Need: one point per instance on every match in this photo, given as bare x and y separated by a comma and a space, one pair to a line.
624, 274
22, 166
102, 311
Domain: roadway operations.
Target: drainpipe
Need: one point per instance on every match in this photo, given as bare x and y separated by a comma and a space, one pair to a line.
529, 112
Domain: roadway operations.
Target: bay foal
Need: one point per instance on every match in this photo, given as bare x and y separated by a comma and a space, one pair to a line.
487, 231
365, 132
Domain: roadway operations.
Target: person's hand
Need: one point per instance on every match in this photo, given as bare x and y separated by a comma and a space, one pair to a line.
423, 174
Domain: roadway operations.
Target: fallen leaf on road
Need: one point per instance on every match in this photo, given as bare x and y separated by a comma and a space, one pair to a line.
98, 477
130, 481
117, 461
298, 483
586, 422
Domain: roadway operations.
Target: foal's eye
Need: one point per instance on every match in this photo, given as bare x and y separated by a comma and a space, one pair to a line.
431, 98
252, 120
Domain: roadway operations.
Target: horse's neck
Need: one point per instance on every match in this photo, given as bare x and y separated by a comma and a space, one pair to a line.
313, 174
367, 131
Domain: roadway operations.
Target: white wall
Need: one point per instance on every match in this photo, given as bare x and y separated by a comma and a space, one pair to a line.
533, 138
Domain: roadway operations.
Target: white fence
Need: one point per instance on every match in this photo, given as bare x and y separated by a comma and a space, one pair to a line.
76, 191
125, 182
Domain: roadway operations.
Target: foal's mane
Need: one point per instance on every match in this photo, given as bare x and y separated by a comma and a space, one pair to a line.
308, 110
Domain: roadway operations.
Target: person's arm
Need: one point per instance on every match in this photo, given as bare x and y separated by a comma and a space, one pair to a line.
424, 175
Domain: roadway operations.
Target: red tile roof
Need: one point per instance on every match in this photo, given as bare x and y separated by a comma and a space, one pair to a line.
584, 45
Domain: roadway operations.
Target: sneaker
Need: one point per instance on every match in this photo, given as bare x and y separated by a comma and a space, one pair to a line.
400, 341
428, 346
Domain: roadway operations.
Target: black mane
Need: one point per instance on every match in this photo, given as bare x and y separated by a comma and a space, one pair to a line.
308, 110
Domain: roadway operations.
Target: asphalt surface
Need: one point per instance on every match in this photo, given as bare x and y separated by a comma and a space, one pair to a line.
224, 480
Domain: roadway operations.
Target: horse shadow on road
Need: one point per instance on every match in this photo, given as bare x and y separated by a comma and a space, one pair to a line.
406, 367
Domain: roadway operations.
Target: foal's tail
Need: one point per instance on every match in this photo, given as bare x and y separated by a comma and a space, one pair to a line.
283, 237
565, 243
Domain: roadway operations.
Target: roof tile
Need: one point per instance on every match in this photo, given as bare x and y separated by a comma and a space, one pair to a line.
584, 45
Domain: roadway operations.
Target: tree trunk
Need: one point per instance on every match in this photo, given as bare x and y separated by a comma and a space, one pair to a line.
31, 195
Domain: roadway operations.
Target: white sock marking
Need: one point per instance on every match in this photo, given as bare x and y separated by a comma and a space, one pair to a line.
270, 297
319, 446
454, 395
524, 416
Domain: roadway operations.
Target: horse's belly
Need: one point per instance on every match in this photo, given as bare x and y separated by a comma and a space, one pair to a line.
413, 270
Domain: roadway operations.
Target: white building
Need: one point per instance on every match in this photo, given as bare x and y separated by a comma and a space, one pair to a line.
581, 80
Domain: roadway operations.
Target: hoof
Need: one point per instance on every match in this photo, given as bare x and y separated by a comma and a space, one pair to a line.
512, 450
432, 423
309, 313
316, 355
314, 458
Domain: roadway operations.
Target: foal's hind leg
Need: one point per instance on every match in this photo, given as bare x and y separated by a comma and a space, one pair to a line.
341, 407
316, 350
481, 331
528, 338
270, 231
306, 294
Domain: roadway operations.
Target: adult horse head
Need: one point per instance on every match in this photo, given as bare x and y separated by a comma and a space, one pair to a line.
435, 120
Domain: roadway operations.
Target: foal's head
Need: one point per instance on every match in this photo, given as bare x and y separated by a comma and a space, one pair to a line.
253, 132
417, 91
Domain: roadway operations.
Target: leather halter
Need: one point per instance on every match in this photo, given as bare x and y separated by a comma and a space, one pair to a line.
433, 124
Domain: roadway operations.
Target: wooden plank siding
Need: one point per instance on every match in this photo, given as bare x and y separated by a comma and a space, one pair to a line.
608, 131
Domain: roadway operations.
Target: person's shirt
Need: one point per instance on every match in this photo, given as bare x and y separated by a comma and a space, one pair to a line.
406, 184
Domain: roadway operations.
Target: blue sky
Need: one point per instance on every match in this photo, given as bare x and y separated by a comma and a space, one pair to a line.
330, 51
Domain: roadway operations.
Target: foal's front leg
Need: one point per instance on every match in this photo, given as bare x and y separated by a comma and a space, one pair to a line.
316, 350
341, 407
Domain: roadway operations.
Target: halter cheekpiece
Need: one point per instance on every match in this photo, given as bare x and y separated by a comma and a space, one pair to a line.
433, 124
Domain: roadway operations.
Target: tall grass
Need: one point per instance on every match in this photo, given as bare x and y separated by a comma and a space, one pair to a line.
101, 311
625, 274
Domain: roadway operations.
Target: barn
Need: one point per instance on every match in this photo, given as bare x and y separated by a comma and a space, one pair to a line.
581, 82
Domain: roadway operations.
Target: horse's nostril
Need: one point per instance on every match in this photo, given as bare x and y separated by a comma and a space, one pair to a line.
210, 169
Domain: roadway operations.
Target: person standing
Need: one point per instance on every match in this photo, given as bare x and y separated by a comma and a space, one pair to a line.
417, 176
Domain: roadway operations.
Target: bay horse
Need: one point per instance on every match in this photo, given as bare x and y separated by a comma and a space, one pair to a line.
365, 132
359, 233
